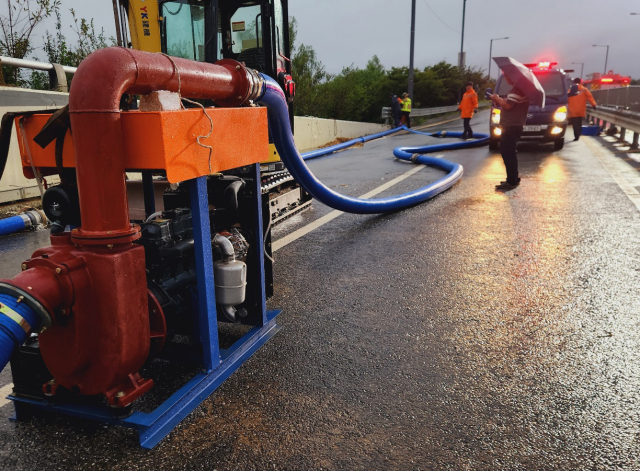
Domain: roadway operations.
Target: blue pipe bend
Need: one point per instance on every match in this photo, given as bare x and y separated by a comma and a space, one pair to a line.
278, 116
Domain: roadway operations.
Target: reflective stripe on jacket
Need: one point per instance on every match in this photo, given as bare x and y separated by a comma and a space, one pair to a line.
578, 103
468, 104
406, 105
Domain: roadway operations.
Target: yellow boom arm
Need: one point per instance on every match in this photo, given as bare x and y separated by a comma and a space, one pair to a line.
144, 25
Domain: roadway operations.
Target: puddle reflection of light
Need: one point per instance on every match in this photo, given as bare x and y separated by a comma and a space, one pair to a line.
553, 172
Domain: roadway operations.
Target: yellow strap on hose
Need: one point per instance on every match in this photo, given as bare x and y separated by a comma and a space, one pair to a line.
15, 317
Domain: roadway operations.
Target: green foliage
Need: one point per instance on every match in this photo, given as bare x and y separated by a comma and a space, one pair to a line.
60, 51
16, 29
359, 94
308, 73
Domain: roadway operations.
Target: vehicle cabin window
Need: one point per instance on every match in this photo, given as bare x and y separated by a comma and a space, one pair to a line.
552, 83
279, 20
246, 29
183, 29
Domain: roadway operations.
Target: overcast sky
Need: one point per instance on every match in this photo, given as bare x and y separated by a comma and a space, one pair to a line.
345, 32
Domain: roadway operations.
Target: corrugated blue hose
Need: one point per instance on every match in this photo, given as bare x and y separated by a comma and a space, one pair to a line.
278, 115
11, 225
12, 333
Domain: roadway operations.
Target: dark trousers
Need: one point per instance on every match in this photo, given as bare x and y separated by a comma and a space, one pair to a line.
468, 132
577, 126
397, 118
406, 118
508, 148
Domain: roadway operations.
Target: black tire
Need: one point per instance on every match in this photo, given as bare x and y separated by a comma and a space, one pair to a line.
493, 144
559, 144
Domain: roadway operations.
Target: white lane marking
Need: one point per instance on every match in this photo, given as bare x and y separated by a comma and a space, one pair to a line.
4, 392
295, 235
627, 177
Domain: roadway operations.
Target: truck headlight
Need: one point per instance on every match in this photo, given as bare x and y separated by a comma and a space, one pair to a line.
497, 131
495, 116
561, 114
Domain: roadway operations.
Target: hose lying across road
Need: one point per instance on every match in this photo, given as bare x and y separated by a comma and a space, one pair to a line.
280, 128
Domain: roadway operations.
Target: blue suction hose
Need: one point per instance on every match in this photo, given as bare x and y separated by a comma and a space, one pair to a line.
17, 320
278, 115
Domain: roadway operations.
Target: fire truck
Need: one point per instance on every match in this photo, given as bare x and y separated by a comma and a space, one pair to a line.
598, 81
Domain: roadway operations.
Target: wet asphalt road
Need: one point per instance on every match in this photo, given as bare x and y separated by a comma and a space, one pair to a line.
480, 330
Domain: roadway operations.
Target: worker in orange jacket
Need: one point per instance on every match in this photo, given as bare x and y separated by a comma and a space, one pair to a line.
467, 107
578, 96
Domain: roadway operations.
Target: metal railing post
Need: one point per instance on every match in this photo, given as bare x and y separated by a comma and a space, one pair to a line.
58, 79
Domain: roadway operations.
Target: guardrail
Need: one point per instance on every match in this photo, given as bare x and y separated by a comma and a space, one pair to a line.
57, 73
388, 117
617, 117
627, 98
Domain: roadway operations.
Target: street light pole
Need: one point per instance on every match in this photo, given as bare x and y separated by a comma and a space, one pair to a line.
411, 48
461, 61
606, 59
581, 68
491, 52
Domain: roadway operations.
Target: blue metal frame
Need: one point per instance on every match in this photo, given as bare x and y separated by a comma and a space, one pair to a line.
218, 363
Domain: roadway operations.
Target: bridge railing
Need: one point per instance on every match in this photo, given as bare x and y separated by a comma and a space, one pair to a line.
416, 112
57, 73
627, 98
388, 117
619, 121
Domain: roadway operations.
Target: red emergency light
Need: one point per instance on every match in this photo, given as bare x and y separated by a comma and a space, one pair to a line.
544, 65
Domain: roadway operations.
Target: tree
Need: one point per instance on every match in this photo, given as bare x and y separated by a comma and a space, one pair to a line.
16, 29
59, 51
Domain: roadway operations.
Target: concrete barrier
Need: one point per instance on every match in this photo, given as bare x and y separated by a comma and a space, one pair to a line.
311, 133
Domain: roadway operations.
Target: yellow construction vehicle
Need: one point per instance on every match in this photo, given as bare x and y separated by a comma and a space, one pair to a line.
254, 32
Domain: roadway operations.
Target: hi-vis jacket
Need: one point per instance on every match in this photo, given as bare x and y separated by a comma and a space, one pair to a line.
578, 102
468, 103
406, 105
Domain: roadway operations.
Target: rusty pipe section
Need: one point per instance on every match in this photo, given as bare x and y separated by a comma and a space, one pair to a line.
94, 104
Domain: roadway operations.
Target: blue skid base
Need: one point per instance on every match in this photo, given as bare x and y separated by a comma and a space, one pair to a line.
153, 427
217, 363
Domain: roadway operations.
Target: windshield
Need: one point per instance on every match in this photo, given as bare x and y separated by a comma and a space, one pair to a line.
246, 29
184, 30
551, 82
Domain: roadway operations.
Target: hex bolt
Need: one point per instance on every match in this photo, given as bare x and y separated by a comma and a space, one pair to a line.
24, 266
52, 381
110, 246
238, 67
58, 270
120, 394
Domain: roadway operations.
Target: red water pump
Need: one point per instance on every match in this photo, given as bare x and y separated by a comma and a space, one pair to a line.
87, 294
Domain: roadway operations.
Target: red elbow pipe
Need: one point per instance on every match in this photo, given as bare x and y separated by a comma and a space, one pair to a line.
94, 104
